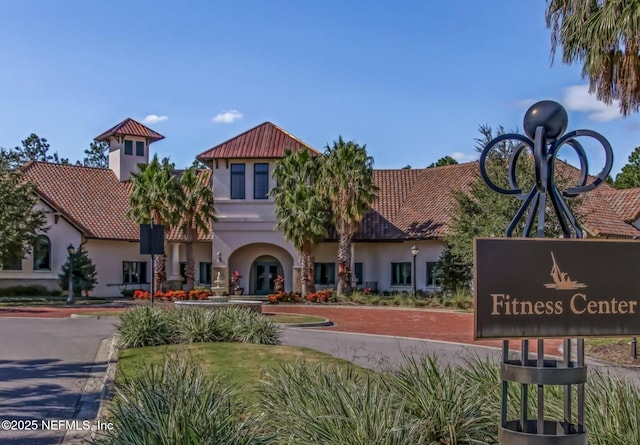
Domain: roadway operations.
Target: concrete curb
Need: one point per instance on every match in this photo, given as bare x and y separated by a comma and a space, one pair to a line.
94, 392
316, 324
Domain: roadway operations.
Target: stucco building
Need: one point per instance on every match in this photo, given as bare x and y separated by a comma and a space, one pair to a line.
88, 206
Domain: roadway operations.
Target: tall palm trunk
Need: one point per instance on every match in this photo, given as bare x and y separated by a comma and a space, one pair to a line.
344, 263
306, 270
160, 271
189, 270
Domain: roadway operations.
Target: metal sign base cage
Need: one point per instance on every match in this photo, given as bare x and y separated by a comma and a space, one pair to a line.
540, 372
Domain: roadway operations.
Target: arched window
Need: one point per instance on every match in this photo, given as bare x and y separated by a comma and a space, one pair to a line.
42, 253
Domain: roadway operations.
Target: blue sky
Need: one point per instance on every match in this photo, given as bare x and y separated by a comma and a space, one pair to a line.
412, 80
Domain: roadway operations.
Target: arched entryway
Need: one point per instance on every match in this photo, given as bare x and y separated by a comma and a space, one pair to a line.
264, 271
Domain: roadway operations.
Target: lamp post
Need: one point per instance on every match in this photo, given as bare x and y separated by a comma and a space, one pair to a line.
414, 252
72, 252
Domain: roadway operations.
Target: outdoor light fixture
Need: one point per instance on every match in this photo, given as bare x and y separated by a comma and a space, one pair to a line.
414, 252
72, 252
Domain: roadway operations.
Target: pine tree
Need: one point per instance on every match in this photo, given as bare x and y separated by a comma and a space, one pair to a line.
84, 273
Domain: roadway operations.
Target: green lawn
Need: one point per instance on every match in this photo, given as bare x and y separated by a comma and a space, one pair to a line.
295, 318
242, 364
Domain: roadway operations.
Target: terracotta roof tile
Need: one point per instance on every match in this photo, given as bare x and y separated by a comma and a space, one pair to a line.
93, 199
419, 204
265, 141
626, 202
129, 127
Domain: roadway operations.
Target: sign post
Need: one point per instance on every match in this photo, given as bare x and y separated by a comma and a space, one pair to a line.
152, 243
536, 289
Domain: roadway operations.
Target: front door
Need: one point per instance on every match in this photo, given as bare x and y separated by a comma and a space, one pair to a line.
265, 274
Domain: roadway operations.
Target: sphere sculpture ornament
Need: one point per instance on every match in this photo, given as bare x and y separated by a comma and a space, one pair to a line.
545, 123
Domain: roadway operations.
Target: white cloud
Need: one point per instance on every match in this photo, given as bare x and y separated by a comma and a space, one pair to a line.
577, 98
523, 103
463, 157
227, 117
154, 119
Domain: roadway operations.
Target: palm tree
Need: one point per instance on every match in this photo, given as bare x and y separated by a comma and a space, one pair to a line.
195, 205
346, 182
152, 200
605, 37
302, 213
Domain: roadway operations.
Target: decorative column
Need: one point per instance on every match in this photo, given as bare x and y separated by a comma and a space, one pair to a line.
175, 262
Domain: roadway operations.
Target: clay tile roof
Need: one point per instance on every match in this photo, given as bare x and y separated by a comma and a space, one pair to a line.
92, 199
266, 141
428, 210
419, 204
415, 204
600, 215
129, 127
600, 211
626, 202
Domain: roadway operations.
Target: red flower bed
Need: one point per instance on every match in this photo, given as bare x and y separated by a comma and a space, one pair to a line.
322, 296
284, 297
173, 295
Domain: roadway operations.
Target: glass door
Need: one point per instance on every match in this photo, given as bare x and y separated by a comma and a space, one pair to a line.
265, 274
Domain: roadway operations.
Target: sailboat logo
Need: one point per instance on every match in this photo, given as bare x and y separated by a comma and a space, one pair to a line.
561, 280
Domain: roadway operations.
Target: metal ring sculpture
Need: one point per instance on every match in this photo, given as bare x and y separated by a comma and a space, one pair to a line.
544, 124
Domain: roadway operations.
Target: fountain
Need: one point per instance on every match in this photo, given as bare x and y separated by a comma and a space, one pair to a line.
219, 300
218, 291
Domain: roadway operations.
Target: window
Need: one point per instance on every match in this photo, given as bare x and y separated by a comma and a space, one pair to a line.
357, 272
42, 253
237, 181
13, 261
128, 147
139, 148
260, 181
183, 271
401, 274
431, 274
134, 272
324, 273
205, 273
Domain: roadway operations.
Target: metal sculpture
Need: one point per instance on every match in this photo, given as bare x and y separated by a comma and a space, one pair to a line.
544, 124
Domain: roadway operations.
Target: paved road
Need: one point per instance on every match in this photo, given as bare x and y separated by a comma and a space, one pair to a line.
44, 367
381, 352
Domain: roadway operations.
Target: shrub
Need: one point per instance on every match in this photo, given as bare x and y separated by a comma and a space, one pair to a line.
144, 326
246, 326
177, 403
320, 404
127, 293
34, 290
194, 325
321, 296
284, 297
447, 410
461, 299
173, 295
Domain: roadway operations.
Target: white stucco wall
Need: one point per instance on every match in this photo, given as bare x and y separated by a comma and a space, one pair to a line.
108, 256
377, 259
123, 165
222, 179
61, 233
